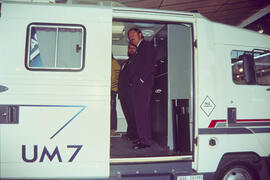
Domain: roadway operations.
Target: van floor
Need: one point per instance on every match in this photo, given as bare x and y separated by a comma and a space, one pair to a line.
121, 147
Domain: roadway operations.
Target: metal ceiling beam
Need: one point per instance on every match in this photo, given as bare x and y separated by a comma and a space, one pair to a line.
255, 17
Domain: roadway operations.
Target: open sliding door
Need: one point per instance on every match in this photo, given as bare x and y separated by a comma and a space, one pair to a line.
180, 87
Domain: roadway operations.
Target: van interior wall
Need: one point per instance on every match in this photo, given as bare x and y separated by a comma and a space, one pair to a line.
159, 100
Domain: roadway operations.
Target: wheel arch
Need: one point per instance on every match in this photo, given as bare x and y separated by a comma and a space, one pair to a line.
250, 160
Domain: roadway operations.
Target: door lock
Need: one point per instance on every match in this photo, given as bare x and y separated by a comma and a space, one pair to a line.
9, 114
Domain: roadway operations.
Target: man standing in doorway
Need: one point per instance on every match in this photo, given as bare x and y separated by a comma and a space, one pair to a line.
142, 68
124, 94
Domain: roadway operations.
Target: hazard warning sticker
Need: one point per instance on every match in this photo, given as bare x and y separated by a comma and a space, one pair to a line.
208, 106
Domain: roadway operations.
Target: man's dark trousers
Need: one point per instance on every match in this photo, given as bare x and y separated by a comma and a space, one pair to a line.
141, 101
142, 68
124, 94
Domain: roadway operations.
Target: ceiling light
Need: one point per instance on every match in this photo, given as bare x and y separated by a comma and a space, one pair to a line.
148, 32
118, 30
144, 25
241, 70
260, 31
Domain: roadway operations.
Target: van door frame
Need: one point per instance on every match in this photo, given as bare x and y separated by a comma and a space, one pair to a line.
121, 14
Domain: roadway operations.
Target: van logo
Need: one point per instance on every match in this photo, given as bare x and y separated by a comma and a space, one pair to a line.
45, 153
208, 106
82, 108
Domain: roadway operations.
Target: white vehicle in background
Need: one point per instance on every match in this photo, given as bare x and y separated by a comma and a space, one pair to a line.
210, 105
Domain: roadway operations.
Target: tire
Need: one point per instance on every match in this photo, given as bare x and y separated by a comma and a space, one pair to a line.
237, 172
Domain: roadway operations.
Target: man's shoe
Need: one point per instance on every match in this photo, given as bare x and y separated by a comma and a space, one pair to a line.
140, 146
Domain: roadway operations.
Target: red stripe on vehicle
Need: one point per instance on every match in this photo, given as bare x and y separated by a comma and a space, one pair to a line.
214, 122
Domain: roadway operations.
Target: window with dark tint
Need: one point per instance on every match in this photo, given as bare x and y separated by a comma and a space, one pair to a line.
238, 67
246, 72
55, 47
262, 67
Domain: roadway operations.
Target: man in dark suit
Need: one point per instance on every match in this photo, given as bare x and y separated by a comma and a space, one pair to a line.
124, 94
142, 68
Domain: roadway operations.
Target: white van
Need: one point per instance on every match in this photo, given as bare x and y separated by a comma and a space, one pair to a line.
210, 104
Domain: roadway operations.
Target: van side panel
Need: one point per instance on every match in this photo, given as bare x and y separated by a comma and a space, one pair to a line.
217, 92
63, 123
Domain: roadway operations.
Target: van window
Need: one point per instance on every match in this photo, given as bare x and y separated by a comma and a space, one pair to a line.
262, 66
238, 67
250, 67
55, 47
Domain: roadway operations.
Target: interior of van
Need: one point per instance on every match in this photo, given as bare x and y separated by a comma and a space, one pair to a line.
172, 93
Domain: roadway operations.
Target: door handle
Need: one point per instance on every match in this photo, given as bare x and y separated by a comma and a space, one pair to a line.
9, 114
3, 88
268, 89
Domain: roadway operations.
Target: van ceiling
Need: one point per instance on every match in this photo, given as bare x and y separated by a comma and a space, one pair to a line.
120, 30
120, 37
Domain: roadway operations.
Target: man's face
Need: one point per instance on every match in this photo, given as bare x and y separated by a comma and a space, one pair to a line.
131, 50
134, 37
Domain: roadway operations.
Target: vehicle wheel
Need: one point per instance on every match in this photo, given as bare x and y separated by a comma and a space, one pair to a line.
237, 172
